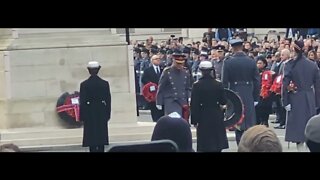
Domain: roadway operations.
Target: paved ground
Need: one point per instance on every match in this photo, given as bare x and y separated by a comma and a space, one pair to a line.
145, 117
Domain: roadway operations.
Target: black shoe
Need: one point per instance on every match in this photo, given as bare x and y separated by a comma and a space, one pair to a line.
280, 127
275, 122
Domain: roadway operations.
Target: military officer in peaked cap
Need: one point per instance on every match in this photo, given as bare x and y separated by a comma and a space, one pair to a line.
240, 74
174, 86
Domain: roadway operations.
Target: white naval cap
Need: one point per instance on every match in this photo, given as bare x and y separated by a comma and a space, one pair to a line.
205, 65
203, 53
93, 64
174, 115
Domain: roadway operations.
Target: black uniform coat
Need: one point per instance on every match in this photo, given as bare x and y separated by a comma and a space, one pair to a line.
206, 97
95, 109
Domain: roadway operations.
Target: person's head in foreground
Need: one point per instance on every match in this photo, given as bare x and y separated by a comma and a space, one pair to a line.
9, 148
175, 128
259, 138
312, 133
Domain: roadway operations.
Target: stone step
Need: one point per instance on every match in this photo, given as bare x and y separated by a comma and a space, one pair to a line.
73, 136
33, 133
163, 36
50, 141
45, 142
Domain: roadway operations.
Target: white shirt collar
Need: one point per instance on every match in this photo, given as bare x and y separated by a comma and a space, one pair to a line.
155, 67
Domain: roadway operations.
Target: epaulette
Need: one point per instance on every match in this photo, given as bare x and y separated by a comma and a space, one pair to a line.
166, 68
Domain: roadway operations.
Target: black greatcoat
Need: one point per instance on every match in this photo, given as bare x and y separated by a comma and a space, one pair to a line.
206, 97
95, 110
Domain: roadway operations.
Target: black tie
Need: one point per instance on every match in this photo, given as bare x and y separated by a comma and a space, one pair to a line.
158, 71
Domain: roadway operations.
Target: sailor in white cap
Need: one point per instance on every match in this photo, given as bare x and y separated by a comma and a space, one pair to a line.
207, 97
95, 109
93, 64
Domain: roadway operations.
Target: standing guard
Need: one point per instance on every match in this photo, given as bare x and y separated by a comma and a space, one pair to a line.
240, 74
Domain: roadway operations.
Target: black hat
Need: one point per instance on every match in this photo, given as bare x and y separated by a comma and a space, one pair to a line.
236, 42
177, 52
196, 51
145, 50
169, 51
137, 50
186, 50
162, 51
176, 129
204, 49
219, 47
141, 45
178, 56
154, 47
154, 51
268, 55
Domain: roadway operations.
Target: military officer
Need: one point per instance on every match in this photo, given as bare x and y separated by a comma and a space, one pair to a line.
174, 88
217, 63
240, 74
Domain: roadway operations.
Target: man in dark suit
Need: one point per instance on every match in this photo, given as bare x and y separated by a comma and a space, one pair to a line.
240, 74
152, 74
95, 109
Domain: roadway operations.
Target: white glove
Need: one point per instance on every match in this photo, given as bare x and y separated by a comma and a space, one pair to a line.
288, 107
255, 103
159, 107
189, 99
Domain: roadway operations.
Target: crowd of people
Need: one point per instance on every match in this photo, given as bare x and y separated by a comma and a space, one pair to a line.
271, 87
276, 75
